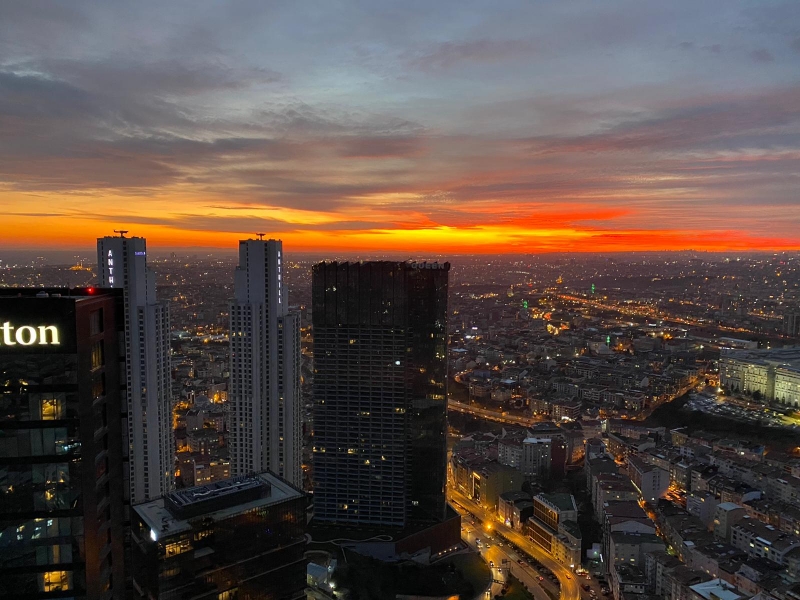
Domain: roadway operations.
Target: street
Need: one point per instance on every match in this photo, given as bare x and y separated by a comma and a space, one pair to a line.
570, 590
502, 560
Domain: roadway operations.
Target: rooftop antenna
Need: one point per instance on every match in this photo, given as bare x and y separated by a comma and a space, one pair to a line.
121, 232
261, 236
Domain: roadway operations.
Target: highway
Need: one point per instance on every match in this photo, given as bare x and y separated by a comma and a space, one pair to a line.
570, 590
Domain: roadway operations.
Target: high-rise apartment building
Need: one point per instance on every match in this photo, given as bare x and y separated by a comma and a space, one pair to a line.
264, 393
380, 392
122, 263
62, 378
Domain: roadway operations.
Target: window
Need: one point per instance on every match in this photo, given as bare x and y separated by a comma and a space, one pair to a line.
56, 581
175, 548
96, 322
52, 409
98, 354
99, 386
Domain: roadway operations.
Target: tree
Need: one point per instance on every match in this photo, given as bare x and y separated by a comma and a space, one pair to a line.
757, 395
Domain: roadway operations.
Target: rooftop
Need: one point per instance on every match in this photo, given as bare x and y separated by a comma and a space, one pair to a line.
515, 496
623, 537
220, 500
562, 502
630, 574
717, 589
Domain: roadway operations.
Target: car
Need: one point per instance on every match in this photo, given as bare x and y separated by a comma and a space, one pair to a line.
491, 563
541, 578
569, 576
521, 562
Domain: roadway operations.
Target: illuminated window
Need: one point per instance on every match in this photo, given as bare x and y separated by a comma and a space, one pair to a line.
98, 354
175, 548
230, 594
56, 581
52, 409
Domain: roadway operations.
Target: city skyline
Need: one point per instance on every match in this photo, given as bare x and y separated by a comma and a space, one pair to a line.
443, 128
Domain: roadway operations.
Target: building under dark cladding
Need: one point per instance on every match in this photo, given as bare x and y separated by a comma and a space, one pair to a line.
61, 464
380, 392
235, 538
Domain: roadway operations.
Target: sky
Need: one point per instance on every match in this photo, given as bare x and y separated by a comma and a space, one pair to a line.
444, 126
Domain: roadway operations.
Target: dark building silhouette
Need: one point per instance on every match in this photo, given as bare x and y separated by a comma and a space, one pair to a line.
380, 392
62, 380
237, 538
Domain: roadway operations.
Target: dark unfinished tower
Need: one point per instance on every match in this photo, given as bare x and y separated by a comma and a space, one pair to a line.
380, 392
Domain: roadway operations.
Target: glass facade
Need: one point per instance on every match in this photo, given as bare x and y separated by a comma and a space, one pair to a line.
380, 392
246, 551
56, 497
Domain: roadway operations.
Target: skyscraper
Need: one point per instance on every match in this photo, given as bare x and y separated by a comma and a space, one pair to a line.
380, 392
264, 390
122, 263
62, 378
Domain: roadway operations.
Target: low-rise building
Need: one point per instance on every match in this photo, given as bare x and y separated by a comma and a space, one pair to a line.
631, 548
702, 505
650, 481
554, 527
715, 589
240, 537
726, 516
765, 541
507, 503
627, 579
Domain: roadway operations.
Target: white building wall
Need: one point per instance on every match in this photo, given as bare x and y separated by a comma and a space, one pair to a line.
265, 366
122, 263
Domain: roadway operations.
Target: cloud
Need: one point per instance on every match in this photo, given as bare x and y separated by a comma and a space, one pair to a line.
447, 55
417, 116
762, 55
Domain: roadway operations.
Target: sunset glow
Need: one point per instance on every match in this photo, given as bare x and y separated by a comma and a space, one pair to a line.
444, 127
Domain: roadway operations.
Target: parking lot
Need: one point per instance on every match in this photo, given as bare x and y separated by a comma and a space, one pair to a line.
722, 406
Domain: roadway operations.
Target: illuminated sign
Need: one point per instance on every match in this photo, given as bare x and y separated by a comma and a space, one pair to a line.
28, 335
110, 263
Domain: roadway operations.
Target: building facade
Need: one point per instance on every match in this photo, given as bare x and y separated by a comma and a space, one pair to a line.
651, 481
774, 374
238, 538
380, 392
122, 264
264, 392
62, 475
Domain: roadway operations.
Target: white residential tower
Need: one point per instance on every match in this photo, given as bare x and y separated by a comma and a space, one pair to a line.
122, 263
264, 393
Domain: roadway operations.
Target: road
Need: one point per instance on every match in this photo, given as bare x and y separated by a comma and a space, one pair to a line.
489, 415
570, 590
651, 312
501, 559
